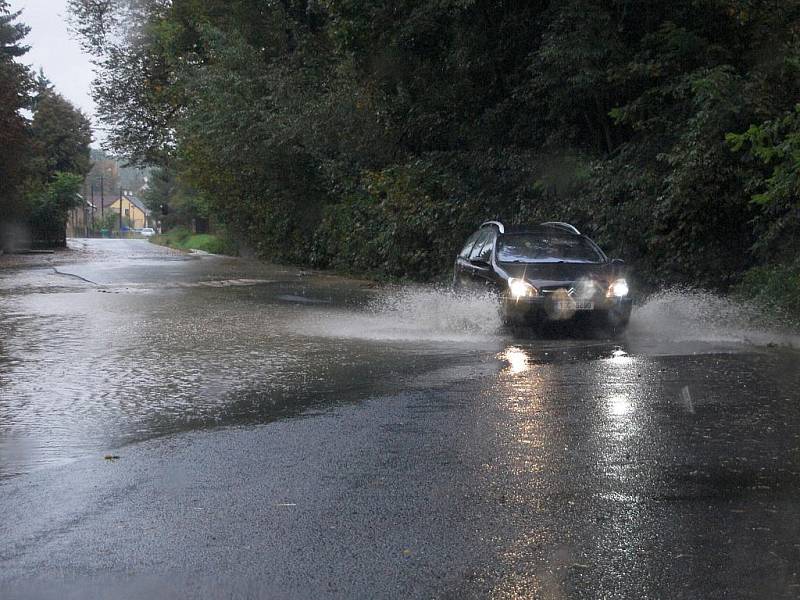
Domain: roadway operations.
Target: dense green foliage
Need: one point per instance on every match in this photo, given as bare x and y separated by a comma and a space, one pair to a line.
174, 203
15, 85
43, 159
374, 135
60, 135
775, 144
50, 207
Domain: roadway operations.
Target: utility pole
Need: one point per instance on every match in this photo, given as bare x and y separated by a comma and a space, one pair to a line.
102, 198
120, 212
93, 207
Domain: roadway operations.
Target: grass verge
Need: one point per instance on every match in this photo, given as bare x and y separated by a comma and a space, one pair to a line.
183, 239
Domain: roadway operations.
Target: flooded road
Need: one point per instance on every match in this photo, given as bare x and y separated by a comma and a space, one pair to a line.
296, 434
139, 341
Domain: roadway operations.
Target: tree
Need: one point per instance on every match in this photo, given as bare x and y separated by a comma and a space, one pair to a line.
40, 160
61, 135
176, 203
137, 90
50, 208
774, 182
104, 177
15, 85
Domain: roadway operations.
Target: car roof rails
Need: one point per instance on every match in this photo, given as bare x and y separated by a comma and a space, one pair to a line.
498, 224
561, 225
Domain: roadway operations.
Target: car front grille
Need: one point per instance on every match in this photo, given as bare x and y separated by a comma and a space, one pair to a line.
578, 289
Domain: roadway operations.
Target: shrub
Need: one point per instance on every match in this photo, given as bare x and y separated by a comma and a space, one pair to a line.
183, 239
776, 288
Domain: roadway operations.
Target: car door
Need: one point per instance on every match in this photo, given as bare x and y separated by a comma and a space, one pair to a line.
462, 276
480, 267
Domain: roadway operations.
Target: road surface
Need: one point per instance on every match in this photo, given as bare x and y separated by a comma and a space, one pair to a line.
208, 427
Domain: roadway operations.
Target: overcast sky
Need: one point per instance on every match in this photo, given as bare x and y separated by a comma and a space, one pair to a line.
54, 49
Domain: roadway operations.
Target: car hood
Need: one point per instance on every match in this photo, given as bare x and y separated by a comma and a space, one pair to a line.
554, 273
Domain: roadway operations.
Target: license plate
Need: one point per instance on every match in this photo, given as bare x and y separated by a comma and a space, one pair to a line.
569, 306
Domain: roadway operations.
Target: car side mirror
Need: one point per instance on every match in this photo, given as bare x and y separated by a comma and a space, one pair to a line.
617, 262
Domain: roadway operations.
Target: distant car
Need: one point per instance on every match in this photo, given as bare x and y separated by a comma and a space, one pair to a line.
147, 231
546, 272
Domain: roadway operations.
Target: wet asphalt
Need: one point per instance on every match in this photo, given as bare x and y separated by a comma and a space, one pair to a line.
205, 427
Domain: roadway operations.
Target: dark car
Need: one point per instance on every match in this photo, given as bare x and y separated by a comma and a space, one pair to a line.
546, 272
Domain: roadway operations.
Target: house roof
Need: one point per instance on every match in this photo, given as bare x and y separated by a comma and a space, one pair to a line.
138, 203
109, 200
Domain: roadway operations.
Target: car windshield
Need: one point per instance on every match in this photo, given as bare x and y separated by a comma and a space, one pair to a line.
545, 247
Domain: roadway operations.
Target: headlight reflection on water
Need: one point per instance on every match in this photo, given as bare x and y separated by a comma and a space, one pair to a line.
620, 358
619, 405
517, 360
615, 376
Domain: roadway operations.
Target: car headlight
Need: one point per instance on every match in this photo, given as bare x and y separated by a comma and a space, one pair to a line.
618, 289
520, 288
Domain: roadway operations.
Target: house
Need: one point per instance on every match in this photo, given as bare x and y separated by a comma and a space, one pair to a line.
79, 220
132, 208
134, 213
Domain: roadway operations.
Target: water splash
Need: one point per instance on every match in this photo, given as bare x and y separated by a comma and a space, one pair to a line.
414, 314
665, 321
681, 315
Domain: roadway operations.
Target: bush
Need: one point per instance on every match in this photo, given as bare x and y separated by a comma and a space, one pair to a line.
775, 288
207, 243
183, 239
50, 208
